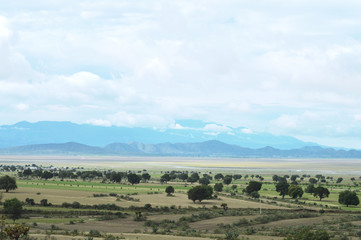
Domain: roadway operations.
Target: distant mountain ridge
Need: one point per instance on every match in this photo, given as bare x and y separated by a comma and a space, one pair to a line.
210, 148
186, 131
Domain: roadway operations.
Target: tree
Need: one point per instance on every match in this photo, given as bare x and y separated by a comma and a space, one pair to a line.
275, 178
133, 178
237, 176
218, 187
227, 179
310, 188
169, 190
204, 181
312, 180
8, 183
254, 194
253, 186
219, 176
183, 176
295, 191
321, 192
294, 177
46, 175
27, 172
348, 198
165, 178
282, 188
339, 180
145, 177
13, 207
200, 193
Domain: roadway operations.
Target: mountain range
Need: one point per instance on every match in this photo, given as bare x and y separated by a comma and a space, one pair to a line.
211, 148
184, 138
186, 131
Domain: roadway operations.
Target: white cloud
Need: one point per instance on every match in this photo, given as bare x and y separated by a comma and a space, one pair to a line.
149, 63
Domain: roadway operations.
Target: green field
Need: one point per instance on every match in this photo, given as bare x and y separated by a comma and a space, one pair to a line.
175, 216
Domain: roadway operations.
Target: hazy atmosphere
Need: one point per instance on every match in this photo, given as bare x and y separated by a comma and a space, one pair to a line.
284, 67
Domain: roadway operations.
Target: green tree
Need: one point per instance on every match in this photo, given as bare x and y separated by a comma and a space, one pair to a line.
295, 191
133, 178
165, 178
183, 176
237, 176
253, 186
348, 198
13, 207
321, 192
310, 188
219, 176
204, 181
8, 183
339, 180
218, 187
200, 193
145, 177
47, 175
227, 179
312, 180
275, 178
169, 190
282, 188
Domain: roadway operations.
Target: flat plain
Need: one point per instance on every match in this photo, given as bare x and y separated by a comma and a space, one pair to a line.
232, 214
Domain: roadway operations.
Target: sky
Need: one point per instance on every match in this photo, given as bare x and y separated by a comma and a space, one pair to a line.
284, 67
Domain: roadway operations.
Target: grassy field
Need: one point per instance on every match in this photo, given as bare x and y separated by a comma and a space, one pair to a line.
177, 217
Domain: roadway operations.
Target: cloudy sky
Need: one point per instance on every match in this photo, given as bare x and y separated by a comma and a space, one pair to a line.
284, 67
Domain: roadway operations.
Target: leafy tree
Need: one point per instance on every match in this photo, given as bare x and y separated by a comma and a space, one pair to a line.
13, 207
294, 177
312, 180
218, 187
8, 183
47, 175
321, 192
348, 198
319, 176
237, 176
27, 172
219, 176
165, 178
227, 179
253, 186
275, 178
116, 177
169, 190
310, 188
145, 177
133, 178
44, 202
183, 176
339, 180
282, 188
200, 193
254, 194
204, 181
295, 191
194, 177
30, 201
